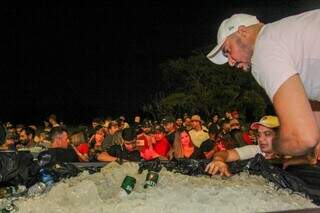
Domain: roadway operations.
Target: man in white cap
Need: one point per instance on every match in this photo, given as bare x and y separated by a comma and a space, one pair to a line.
284, 57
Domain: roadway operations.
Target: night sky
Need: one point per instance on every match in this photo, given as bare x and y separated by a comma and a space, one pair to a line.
98, 59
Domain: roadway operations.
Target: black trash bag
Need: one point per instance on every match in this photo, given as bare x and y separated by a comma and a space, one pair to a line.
281, 178
238, 166
17, 168
61, 171
150, 165
189, 167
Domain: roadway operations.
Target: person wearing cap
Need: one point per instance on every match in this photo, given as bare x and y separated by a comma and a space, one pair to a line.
161, 145
146, 126
199, 133
170, 127
284, 58
267, 129
123, 123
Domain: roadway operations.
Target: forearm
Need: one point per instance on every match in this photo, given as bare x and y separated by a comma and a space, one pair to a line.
83, 157
221, 156
291, 146
106, 157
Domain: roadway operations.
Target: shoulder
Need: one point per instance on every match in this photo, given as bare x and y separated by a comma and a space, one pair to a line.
205, 129
272, 63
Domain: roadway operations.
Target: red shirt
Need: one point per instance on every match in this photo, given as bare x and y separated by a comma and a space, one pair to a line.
146, 152
83, 148
162, 147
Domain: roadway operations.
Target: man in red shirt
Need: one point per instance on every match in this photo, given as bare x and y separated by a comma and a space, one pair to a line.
162, 145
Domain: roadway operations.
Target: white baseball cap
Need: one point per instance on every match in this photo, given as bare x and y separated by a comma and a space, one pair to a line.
227, 27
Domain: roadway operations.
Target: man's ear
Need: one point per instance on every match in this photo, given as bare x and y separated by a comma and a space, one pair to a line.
243, 31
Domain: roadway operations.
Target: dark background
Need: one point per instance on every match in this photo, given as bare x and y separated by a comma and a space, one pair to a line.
98, 59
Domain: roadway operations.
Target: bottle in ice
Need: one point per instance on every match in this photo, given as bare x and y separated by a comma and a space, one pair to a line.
46, 177
36, 189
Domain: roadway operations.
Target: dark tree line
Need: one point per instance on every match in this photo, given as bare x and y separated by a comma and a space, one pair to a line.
195, 85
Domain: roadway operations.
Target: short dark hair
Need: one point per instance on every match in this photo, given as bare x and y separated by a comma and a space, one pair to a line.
55, 131
29, 131
129, 134
206, 146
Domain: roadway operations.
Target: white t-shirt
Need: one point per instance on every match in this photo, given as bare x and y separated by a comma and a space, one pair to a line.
249, 151
287, 47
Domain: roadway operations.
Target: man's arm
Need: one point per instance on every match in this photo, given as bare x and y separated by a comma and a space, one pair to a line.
105, 157
218, 164
299, 133
227, 156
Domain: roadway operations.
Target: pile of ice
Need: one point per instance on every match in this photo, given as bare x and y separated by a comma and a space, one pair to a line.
174, 193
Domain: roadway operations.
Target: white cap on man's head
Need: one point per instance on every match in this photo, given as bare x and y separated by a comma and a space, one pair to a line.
227, 27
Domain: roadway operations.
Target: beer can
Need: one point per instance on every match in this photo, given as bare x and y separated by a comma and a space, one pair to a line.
151, 179
128, 184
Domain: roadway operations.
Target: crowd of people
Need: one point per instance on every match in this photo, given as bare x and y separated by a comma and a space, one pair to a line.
222, 139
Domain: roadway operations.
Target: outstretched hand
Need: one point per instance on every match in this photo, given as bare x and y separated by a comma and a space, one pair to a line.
217, 166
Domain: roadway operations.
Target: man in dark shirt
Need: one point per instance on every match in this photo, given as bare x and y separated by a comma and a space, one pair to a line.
126, 151
60, 150
170, 127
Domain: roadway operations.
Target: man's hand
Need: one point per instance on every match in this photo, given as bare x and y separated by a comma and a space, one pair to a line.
217, 166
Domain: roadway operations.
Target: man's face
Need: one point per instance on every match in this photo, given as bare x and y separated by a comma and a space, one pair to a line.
113, 129
215, 118
52, 121
146, 129
212, 136
137, 119
234, 124
195, 124
158, 135
23, 135
62, 140
129, 146
187, 122
226, 127
238, 51
169, 126
265, 138
94, 124
179, 122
